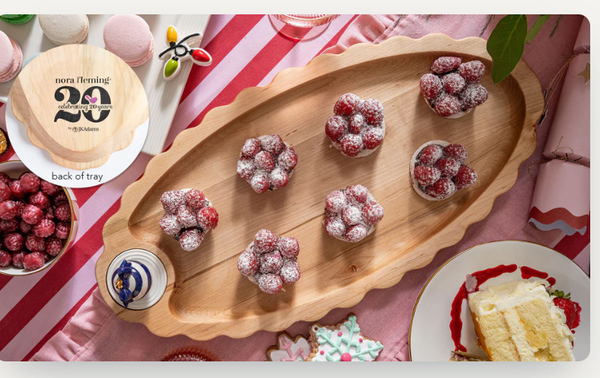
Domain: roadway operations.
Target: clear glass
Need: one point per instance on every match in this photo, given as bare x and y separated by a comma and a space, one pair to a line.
301, 26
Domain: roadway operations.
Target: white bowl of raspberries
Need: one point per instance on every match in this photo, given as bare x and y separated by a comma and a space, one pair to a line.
452, 88
38, 220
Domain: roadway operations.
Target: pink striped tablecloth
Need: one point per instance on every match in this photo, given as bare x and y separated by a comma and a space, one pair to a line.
35, 311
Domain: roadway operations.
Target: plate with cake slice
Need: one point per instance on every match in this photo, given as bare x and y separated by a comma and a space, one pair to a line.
503, 301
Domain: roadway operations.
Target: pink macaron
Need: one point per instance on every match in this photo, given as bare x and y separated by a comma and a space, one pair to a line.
11, 58
129, 37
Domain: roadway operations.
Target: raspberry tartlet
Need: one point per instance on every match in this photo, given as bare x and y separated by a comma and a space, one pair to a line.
189, 216
266, 163
351, 214
452, 88
439, 169
270, 261
357, 127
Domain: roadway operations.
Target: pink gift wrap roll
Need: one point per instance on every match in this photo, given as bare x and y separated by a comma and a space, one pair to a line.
561, 199
582, 44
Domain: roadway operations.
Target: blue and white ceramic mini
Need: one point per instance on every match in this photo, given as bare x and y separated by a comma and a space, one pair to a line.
132, 280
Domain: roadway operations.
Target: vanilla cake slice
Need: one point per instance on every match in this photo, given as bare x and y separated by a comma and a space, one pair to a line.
518, 321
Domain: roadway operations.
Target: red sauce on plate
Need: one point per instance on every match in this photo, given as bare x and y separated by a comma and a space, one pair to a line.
527, 272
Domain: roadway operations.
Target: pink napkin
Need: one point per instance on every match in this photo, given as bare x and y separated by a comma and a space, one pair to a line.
95, 333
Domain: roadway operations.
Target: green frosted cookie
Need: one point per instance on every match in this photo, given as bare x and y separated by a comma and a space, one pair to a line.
16, 18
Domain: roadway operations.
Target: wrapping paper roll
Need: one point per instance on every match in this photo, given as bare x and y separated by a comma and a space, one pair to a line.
561, 199
569, 135
582, 44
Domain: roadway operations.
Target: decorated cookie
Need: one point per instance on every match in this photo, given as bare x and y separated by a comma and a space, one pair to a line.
439, 169
357, 127
180, 50
452, 88
342, 342
189, 216
289, 349
351, 214
266, 163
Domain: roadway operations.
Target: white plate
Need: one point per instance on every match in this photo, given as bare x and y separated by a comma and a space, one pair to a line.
430, 339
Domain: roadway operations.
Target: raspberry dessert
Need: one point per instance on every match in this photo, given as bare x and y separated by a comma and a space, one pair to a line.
351, 214
357, 127
35, 221
439, 169
452, 88
270, 261
266, 163
188, 217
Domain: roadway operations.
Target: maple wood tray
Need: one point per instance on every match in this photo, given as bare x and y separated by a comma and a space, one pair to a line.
206, 296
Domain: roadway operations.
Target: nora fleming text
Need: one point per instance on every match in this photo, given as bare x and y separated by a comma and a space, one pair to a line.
83, 80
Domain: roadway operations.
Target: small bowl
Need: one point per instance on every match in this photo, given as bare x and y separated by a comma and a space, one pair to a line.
15, 168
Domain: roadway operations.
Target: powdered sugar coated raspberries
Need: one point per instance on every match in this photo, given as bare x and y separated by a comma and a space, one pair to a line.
473, 95
465, 177
431, 86
356, 122
265, 241
347, 104
279, 178
445, 64
351, 145
42, 201
270, 283
169, 224
372, 213
62, 230
251, 147
171, 200
53, 246
356, 233
427, 175
456, 152
444, 188
357, 194
352, 215
472, 71
5, 258
195, 199
290, 272
265, 161
208, 218
288, 247
186, 217
336, 201
34, 260
448, 167
334, 226
248, 263
270, 262
260, 182
35, 243
246, 168
373, 137
288, 159
44, 228
13, 241
191, 239
431, 154
372, 110
336, 127
453, 83
30, 182
447, 106
32, 214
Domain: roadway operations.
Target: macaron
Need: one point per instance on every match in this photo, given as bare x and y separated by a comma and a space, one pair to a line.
64, 29
16, 18
11, 58
129, 37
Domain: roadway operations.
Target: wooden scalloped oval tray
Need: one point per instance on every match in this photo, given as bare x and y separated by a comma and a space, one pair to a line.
206, 296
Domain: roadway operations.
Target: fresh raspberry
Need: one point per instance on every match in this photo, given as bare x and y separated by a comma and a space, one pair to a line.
444, 188
347, 104
372, 110
351, 145
288, 247
246, 168
31, 214
251, 147
357, 193
265, 161
171, 201
30, 183
8, 209
273, 144
248, 263
15, 189
336, 127
465, 177
186, 217
62, 230
334, 226
473, 95
49, 213
20, 205
426, 174
49, 188
336, 201
456, 152
4, 178
34, 260
9, 225
288, 159
5, 192
279, 178
372, 213
270, 283
17, 259
356, 122
430, 191
447, 106
195, 199
208, 218
352, 216
431, 86
5, 258
356, 233
40, 200
47, 257
431, 154
44, 228
373, 137
260, 182
13, 242
25, 227
290, 272
448, 167
445, 64
60, 198
191, 239
35, 243
453, 83
270, 262
53, 246
169, 224
472, 71
265, 241
63, 212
